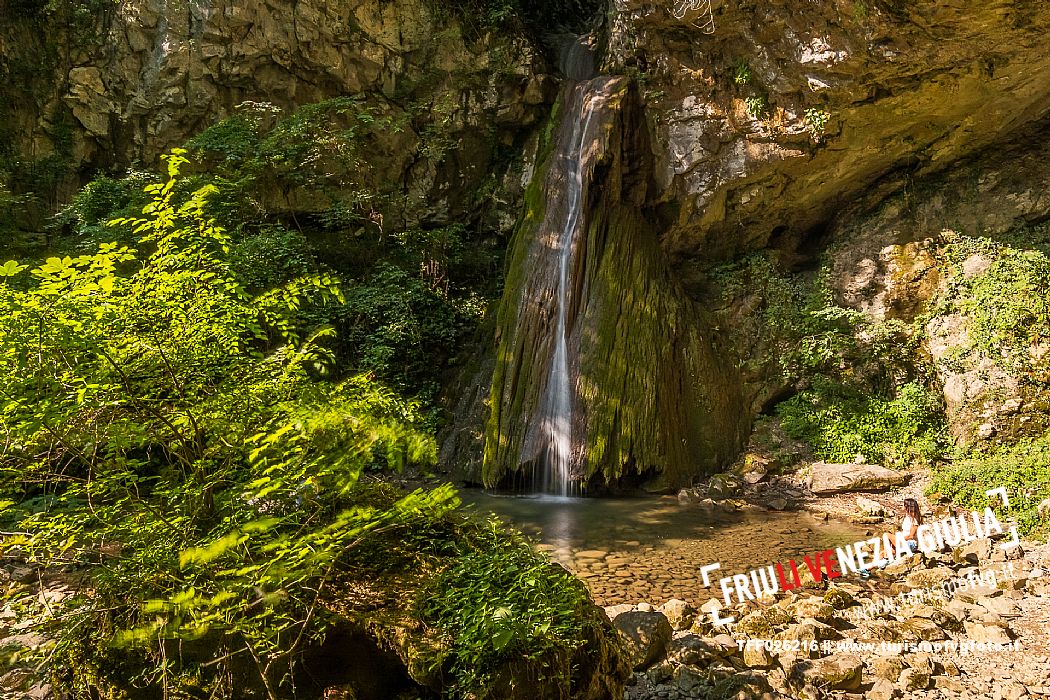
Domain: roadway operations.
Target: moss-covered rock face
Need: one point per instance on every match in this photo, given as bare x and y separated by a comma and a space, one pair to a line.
653, 399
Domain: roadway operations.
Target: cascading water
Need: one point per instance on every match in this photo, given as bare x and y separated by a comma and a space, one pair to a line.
583, 97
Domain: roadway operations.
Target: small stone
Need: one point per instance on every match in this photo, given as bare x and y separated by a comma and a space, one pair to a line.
985, 431
949, 684
870, 507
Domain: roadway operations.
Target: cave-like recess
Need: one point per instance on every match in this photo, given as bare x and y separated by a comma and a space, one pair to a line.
564, 15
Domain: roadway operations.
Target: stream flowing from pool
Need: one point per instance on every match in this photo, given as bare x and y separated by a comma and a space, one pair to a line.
633, 550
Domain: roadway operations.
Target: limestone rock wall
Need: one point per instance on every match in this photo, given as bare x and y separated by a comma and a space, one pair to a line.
848, 93
142, 76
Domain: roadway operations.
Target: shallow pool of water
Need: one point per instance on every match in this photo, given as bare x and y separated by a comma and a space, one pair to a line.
632, 550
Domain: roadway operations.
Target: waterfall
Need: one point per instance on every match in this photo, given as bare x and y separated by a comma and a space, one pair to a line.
584, 95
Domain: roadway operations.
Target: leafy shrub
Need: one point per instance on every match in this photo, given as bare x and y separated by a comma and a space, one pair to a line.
840, 422
816, 120
164, 433
396, 325
270, 257
1023, 468
501, 602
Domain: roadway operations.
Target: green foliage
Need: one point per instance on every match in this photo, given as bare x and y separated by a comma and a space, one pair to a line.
397, 325
840, 423
1023, 468
816, 121
859, 391
1007, 304
743, 75
317, 149
165, 432
757, 106
270, 257
500, 602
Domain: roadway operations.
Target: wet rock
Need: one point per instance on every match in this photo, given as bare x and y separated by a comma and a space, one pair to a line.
645, 636
825, 479
723, 486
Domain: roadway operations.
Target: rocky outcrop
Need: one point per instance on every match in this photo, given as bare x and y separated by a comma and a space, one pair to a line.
765, 128
907, 261
146, 75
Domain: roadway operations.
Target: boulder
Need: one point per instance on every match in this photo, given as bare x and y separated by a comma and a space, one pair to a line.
1044, 509
835, 672
813, 607
688, 679
679, 613
882, 689
986, 632
912, 679
924, 629
999, 605
926, 578
839, 598
887, 667
827, 478
645, 637
870, 507
757, 656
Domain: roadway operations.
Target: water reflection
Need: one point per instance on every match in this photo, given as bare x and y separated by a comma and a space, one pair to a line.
651, 549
